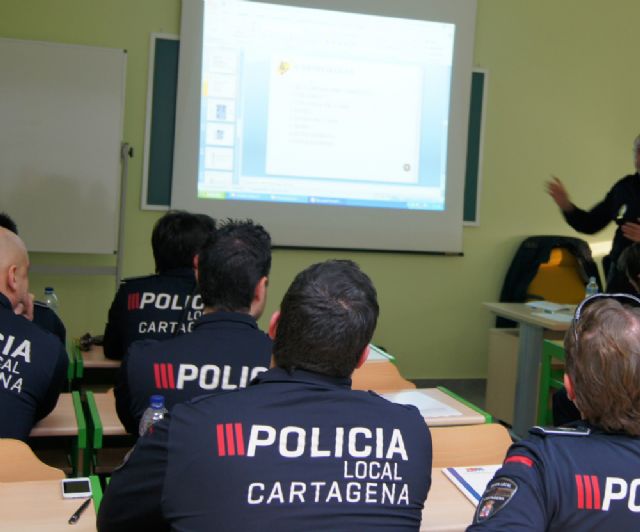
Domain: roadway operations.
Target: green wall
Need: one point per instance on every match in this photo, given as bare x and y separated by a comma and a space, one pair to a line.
561, 99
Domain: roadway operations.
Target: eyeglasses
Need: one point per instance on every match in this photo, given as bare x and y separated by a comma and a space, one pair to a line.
620, 298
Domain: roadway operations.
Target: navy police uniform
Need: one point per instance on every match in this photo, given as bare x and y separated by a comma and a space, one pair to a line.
45, 317
156, 306
621, 204
293, 451
33, 372
572, 481
225, 351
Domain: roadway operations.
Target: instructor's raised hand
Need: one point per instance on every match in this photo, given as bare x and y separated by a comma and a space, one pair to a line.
556, 190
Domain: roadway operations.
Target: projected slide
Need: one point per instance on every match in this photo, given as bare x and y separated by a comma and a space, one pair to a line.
312, 106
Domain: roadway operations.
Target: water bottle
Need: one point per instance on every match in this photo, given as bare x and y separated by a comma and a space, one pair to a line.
592, 287
154, 413
51, 299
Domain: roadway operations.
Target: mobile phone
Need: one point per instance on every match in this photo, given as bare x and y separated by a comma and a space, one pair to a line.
76, 488
568, 431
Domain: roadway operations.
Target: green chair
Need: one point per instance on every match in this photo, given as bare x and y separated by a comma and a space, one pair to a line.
105, 455
96, 490
550, 378
79, 448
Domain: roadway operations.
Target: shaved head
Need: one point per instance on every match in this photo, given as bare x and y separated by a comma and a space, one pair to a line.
12, 248
14, 267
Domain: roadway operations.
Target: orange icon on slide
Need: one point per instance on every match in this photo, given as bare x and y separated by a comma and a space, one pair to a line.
284, 67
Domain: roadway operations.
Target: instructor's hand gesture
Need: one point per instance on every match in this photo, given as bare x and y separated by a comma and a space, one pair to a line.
556, 190
631, 230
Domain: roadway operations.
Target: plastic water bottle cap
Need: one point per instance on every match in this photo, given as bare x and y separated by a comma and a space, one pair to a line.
157, 401
48, 290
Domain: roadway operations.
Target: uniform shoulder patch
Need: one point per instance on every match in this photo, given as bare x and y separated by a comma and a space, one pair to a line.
497, 495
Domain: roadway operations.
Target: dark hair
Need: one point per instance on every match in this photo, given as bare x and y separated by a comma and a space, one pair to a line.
8, 223
604, 365
327, 318
178, 237
230, 266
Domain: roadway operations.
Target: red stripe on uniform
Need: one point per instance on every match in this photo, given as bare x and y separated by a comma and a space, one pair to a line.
129, 301
172, 380
580, 490
220, 433
230, 443
596, 492
587, 492
156, 374
239, 439
163, 375
520, 460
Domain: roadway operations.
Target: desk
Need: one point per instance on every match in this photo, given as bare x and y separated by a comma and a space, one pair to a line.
38, 506
468, 417
446, 509
95, 359
66, 420
102, 407
529, 355
62, 421
379, 376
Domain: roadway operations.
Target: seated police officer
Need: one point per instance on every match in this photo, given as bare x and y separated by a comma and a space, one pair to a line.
226, 350
42, 315
564, 411
167, 303
297, 449
33, 362
585, 476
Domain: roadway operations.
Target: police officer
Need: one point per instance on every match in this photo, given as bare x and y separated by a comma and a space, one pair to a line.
43, 316
33, 362
585, 476
167, 303
226, 349
297, 449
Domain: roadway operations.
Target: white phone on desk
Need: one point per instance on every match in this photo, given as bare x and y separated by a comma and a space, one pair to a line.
76, 488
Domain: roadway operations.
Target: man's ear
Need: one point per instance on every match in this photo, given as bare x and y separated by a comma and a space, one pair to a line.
363, 356
273, 324
12, 278
259, 298
260, 293
196, 262
568, 384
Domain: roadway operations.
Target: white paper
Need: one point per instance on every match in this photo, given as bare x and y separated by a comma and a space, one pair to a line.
428, 406
472, 480
547, 306
554, 316
375, 353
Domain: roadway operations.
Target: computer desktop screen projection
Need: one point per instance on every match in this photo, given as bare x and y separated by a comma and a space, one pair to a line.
334, 123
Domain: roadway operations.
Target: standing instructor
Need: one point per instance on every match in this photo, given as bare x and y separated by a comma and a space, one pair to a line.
621, 204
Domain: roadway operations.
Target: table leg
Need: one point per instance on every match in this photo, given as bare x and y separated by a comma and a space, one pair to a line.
526, 401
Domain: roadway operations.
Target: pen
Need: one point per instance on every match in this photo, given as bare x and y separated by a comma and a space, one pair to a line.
74, 518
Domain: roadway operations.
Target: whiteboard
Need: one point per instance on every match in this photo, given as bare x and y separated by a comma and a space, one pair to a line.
61, 120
